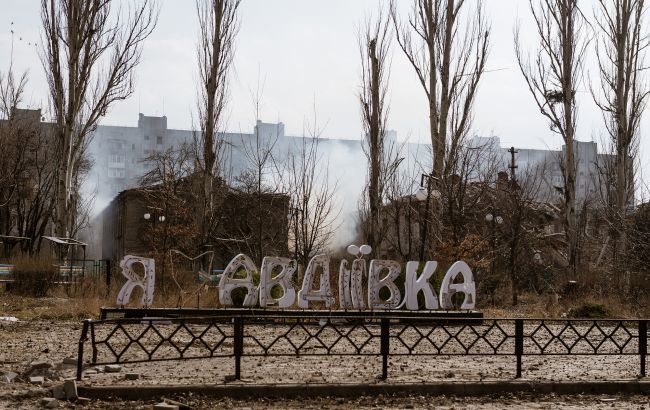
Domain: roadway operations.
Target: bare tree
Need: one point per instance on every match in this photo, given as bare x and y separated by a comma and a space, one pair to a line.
90, 55
620, 50
374, 46
313, 207
260, 180
523, 223
168, 191
11, 92
259, 152
552, 77
27, 168
446, 42
473, 169
403, 212
218, 27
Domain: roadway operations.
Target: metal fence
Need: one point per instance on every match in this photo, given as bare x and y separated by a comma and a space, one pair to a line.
76, 269
235, 334
71, 272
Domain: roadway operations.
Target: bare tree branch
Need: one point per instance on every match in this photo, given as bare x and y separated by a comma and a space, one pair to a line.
552, 77
90, 54
374, 47
218, 26
449, 64
620, 51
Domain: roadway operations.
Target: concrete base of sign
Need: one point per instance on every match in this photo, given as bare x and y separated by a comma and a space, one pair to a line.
424, 315
457, 388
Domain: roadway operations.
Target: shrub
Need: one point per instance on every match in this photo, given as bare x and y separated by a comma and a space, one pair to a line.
34, 276
589, 311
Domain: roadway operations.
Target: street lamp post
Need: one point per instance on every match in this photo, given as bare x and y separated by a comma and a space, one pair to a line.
154, 217
293, 214
424, 193
494, 220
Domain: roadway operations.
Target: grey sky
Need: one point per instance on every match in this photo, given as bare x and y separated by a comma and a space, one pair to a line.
303, 50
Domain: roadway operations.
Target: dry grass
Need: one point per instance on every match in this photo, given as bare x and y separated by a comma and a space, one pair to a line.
85, 298
33, 276
533, 305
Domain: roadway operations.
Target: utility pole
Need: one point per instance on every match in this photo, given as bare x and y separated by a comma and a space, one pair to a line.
513, 166
515, 225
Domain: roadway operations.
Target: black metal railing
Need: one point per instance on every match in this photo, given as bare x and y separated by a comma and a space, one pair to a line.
75, 269
237, 334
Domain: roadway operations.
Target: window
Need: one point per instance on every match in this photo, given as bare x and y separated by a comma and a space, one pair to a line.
146, 138
116, 161
116, 145
116, 173
159, 139
132, 147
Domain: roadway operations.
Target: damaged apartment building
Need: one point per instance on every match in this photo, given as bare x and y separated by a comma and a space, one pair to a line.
118, 156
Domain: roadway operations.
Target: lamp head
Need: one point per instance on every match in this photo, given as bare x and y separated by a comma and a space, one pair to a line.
421, 194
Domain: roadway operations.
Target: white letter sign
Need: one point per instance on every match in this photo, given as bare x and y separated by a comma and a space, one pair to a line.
467, 286
147, 283
283, 279
228, 282
374, 284
323, 293
350, 284
277, 273
414, 285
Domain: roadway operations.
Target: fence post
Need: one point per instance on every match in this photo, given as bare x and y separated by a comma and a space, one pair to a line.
107, 267
643, 344
385, 346
80, 352
519, 344
238, 345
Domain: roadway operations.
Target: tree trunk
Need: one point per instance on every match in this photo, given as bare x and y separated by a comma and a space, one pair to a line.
568, 91
63, 202
570, 204
375, 148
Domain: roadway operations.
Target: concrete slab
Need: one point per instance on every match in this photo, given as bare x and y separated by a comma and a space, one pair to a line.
58, 392
9, 377
70, 361
112, 368
164, 406
457, 388
37, 380
70, 389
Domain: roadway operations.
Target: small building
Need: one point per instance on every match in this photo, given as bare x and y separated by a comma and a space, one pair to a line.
251, 223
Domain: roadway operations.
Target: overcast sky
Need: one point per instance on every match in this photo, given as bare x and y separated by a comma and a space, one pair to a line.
304, 51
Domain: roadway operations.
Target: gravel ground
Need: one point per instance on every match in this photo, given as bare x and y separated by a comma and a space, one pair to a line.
25, 343
378, 402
